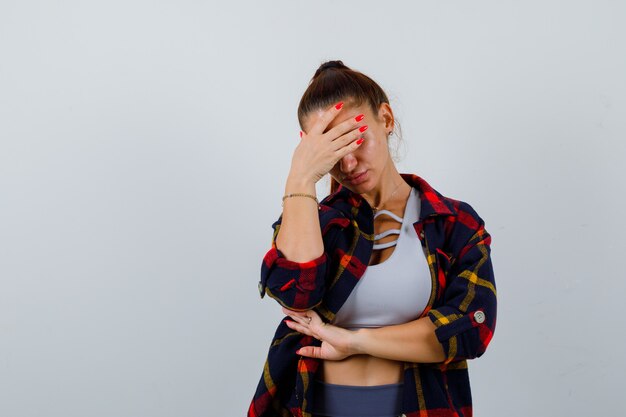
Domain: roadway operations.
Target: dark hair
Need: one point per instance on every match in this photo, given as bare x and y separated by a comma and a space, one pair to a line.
332, 82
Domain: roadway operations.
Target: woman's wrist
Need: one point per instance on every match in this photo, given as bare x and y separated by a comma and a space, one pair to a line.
359, 341
297, 184
298, 180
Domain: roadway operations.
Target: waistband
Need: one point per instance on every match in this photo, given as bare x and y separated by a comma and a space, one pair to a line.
338, 400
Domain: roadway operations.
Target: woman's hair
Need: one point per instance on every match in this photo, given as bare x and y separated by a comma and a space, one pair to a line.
332, 82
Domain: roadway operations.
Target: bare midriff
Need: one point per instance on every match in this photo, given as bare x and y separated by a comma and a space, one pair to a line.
363, 369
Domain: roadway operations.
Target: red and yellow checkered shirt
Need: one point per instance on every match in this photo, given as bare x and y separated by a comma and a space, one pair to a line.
462, 304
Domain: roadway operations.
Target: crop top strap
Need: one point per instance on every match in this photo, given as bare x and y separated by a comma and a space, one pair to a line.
395, 216
384, 245
387, 232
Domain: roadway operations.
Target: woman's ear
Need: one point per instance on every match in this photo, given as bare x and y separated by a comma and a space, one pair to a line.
385, 114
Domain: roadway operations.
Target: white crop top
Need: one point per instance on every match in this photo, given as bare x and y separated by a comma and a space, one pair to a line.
397, 290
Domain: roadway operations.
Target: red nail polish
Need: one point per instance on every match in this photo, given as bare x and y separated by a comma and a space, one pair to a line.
363, 128
360, 141
359, 117
339, 105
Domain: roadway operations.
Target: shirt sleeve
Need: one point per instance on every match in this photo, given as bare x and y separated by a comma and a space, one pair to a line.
466, 321
300, 286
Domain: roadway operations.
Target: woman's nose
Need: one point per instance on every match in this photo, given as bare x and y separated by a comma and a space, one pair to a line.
347, 163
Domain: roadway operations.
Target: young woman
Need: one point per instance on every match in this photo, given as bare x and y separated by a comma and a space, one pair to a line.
387, 284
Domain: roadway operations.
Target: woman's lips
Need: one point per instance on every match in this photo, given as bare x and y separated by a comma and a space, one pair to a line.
358, 179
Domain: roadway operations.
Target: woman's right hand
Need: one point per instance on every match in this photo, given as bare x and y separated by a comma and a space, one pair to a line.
318, 152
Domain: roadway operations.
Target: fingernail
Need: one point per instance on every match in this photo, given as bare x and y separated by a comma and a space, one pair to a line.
300, 133
339, 105
298, 351
363, 128
359, 117
360, 141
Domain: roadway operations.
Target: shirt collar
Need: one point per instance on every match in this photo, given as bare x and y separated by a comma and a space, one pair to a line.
433, 203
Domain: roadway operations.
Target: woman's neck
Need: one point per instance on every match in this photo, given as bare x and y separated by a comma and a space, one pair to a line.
391, 191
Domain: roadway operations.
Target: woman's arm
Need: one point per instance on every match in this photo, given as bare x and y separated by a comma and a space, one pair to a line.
414, 341
294, 271
300, 236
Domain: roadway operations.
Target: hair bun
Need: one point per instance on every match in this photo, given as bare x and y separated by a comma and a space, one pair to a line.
330, 64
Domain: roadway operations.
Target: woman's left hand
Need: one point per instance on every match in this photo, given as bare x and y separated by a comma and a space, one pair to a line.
337, 342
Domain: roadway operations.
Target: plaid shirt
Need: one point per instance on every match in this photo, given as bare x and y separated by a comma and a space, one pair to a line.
462, 303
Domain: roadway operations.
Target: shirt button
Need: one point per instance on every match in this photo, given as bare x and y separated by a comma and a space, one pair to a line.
422, 234
479, 316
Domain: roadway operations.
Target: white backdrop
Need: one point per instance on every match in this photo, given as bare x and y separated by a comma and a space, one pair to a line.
144, 149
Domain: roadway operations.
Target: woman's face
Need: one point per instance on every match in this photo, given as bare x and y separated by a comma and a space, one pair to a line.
371, 157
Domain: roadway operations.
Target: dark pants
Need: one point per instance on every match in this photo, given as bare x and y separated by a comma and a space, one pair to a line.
334, 400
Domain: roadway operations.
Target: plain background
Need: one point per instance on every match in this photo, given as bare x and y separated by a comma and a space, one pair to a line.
144, 149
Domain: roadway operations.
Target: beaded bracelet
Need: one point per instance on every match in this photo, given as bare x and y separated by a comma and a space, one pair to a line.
298, 195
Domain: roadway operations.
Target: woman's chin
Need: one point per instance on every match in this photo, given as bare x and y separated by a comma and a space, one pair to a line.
361, 188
